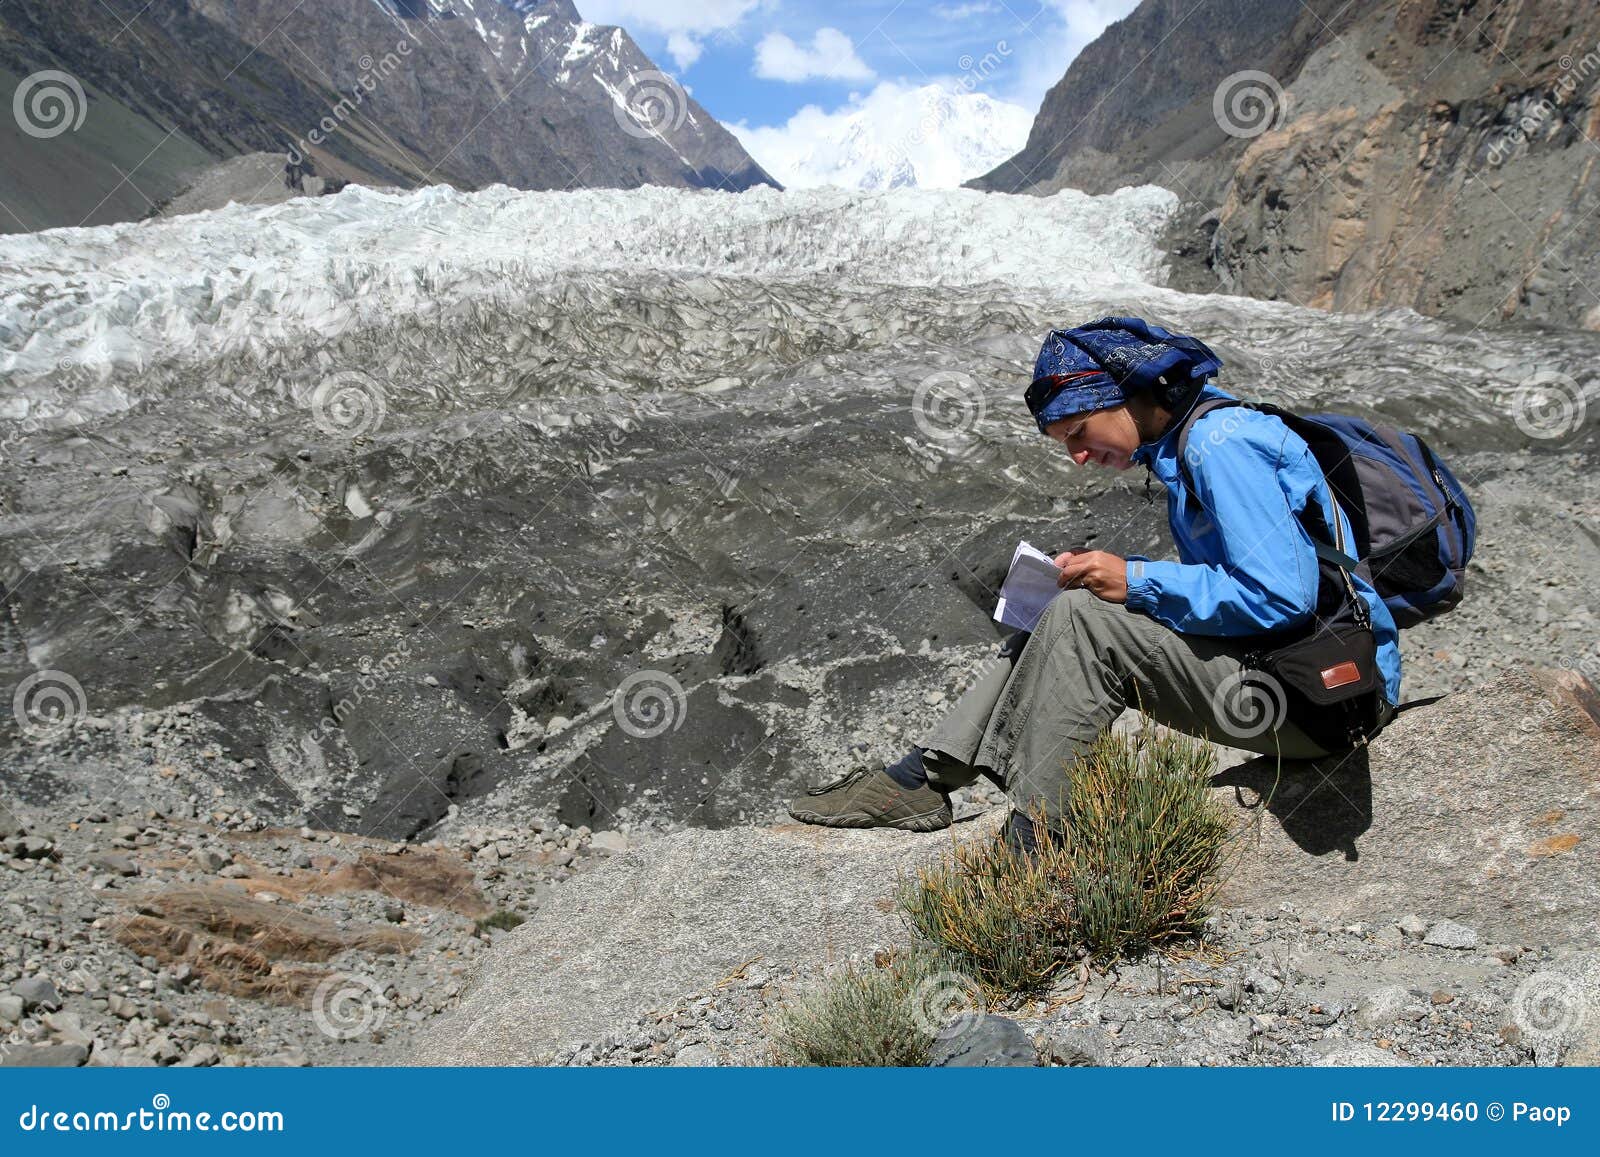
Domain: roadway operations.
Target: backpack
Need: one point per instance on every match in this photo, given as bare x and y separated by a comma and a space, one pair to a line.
1414, 528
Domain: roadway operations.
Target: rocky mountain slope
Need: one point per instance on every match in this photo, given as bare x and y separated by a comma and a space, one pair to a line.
1430, 905
1437, 154
466, 92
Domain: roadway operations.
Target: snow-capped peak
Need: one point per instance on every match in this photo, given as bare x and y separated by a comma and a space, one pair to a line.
894, 137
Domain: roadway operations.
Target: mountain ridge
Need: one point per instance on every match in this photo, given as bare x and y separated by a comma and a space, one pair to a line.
382, 92
1433, 154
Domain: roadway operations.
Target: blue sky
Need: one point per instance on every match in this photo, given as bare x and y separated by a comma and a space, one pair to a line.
759, 62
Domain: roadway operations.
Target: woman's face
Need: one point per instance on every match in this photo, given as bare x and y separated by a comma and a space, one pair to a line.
1104, 437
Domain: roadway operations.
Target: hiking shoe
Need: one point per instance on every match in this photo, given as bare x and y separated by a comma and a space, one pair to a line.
865, 798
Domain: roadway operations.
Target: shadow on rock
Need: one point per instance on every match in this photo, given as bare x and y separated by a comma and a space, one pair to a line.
1322, 805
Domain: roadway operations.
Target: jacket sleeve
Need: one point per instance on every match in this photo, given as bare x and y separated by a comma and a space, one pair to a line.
1249, 489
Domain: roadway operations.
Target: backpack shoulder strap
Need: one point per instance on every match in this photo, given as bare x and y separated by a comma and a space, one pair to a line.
1326, 551
1196, 412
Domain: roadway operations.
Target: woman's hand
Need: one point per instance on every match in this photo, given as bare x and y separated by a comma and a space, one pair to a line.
1101, 574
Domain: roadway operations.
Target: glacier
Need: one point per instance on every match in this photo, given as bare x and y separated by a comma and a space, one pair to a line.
393, 496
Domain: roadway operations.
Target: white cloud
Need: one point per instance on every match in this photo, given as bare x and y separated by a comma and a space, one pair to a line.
686, 24
683, 48
832, 56
965, 11
897, 132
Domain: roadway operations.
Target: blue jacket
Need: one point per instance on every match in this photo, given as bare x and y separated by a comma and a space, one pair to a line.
1246, 565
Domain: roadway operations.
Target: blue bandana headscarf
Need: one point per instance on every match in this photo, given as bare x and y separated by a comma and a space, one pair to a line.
1094, 366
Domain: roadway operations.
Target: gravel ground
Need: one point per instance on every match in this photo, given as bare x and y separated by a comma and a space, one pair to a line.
133, 937
1285, 989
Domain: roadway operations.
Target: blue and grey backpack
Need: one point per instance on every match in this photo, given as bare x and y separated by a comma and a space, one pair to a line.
1414, 527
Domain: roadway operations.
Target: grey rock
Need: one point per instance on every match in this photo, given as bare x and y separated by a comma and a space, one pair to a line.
10, 825
211, 859
1413, 926
1449, 934
1354, 1054
53, 1056
10, 1008
674, 916
1554, 1012
1380, 1006
695, 1056
609, 842
1448, 763
987, 1041
37, 992
1077, 1046
116, 863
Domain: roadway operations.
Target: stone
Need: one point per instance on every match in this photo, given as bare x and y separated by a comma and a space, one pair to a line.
53, 1056
115, 863
1080, 1047
211, 859
1380, 1006
1439, 806
1354, 1054
10, 1008
609, 842
986, 1041
37, 992
695, 1056
674, 916
1449, 934
1413, 926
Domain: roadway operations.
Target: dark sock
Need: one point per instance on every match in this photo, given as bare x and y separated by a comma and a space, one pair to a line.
1019, 834
908, 771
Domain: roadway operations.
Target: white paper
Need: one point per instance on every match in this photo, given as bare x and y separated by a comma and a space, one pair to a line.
1030, 585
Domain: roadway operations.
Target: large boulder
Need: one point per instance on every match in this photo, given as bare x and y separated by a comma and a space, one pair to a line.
1478, 809
675, 916
1481, 808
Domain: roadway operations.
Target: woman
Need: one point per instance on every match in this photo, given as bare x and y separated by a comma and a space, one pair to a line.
1170, 638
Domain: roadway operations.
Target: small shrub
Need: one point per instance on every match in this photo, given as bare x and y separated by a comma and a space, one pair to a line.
1134, 865
502, 920
1145, 841
869, 1015
1005, 918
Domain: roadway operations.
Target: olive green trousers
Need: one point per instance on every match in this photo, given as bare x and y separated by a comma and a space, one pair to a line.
1086, 661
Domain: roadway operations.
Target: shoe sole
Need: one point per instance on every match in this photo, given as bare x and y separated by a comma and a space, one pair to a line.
926, 822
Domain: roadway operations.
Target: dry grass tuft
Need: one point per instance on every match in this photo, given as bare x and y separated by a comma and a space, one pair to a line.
1134, 867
